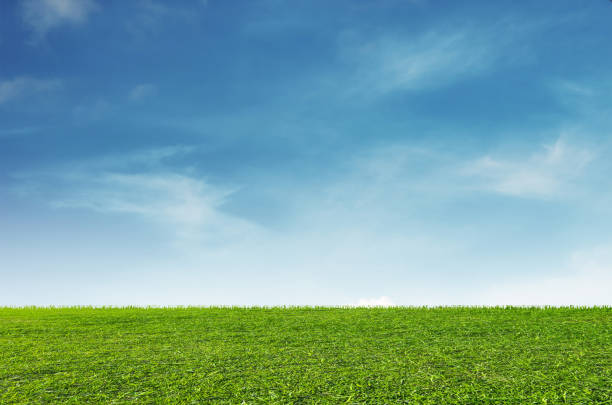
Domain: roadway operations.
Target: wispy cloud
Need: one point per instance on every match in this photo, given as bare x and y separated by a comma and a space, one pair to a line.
434, 59
176, 200
141, 186
91, 112
142, 91
25, 86
401, 62
587, 98
543, 174
148, 159
44, 15
9, 132
151, 15
569, 88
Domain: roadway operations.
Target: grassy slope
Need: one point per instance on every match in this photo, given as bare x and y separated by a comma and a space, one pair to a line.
305, 355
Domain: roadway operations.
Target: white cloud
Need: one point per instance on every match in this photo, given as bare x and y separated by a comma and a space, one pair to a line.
188, 206
375, 302
572, 88
587, 98
164, 197
44, 15
91, 112
397, 63
9, 132
543, 174
149, 16
141, 185
148, 158
433, 59
25, 86
142, 91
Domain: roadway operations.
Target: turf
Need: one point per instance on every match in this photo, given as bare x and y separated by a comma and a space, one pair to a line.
306, 355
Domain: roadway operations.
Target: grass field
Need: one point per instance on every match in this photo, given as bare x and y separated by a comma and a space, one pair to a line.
306, 355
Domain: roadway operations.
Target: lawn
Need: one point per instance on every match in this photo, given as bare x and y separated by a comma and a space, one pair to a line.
306, 355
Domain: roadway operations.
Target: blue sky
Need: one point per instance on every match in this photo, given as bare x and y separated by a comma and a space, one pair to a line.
274, 152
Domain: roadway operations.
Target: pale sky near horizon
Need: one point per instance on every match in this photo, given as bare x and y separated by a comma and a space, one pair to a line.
276, 152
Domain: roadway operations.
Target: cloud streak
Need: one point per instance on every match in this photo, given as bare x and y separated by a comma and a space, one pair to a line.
141, 185
42, 16
544, 174
142, 91
150, 16
426, 62
396, 62
185, 204
23, 86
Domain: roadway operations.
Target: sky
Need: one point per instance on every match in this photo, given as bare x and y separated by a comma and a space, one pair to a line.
289, 152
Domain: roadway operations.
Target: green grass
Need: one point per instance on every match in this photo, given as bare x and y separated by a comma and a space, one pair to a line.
306, 355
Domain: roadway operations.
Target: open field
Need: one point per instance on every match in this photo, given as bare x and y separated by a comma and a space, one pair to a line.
306, 355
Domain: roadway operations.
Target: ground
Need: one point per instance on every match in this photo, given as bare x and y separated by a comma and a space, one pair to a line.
306, 355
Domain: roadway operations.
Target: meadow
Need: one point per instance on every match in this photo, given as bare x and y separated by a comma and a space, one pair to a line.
306, 355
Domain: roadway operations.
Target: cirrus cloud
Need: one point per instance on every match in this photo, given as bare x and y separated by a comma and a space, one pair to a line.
24, 86
41, 16
541, 175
